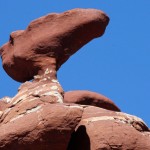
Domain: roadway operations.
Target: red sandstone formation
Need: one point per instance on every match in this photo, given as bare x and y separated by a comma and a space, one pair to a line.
89, 98
101, 129
37, 124
41, 116
49, 41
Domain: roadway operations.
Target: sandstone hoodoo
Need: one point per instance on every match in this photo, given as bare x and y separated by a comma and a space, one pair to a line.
41, 115
49, 41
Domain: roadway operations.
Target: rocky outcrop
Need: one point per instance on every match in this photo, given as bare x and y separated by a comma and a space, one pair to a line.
37, 124
41, 115
90, 98
49, 41
101, 129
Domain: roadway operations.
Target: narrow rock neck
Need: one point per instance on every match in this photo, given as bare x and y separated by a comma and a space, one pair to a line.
47, 71
46, 75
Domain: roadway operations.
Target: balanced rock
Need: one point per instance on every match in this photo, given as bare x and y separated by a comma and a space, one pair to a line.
40, 116
49, 41
89, 98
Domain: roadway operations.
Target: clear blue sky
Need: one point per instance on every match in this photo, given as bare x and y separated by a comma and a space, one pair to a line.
116, 65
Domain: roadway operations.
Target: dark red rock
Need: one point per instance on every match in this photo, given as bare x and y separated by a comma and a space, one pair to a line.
40, 127
49, 41
101, 129
89, 98
30, 122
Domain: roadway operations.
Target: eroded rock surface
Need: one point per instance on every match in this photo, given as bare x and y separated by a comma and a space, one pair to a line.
41, 125
37, 118
41, 116
49, 41
101, 129
89, 98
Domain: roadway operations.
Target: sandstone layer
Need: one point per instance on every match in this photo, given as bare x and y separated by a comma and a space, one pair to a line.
38, 124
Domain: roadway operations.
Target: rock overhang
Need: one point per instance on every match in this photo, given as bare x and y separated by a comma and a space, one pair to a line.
53, 36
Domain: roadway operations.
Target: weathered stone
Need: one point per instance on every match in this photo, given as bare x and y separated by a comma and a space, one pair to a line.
41, 127
49, 41
36, 124
37, 118
101, 129
3, 105
3, 102
89, 98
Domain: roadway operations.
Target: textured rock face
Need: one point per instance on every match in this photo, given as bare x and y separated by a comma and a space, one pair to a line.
37, 118
89, 98
3, 105
39, 126
101, 129
49, 41
41, 116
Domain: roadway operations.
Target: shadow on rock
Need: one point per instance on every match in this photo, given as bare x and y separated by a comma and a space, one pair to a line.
79, 140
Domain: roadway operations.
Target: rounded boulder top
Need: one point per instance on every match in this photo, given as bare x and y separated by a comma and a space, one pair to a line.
49, 41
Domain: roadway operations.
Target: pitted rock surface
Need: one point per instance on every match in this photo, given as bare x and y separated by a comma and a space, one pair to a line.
49, 41
89, 98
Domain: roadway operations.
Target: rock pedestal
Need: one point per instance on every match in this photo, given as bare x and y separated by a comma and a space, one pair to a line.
41, 115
